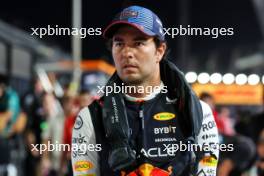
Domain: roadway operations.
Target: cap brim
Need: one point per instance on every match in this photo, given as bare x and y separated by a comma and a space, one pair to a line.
114, 26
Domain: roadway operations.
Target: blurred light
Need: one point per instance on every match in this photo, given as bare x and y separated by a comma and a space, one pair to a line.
191, 77
203, 78
216, 78
228, 78
253, 79
241, 79
263, 79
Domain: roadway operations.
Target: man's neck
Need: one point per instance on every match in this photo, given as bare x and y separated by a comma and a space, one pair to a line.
158, 89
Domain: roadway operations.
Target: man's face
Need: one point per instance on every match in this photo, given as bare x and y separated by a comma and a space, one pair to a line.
85, 100
210, 102
135, 55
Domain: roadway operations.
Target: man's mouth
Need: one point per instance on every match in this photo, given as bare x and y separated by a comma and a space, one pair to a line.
128, 66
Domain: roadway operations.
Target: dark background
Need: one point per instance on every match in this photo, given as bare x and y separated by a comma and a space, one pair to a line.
191, 53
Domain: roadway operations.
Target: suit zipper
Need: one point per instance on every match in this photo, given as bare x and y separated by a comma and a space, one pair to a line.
141, 116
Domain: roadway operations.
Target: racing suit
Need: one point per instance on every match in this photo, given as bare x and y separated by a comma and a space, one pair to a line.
156, 137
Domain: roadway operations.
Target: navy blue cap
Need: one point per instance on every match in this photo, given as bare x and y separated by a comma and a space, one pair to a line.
139, 17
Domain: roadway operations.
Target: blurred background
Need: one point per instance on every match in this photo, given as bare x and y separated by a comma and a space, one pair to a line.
48, 79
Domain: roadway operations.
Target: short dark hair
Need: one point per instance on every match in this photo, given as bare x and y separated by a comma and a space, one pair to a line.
205, 95
84, 91
66, 98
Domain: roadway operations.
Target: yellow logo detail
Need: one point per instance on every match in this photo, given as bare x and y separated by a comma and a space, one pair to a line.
164, 116
83, 166
145, 169
209, 161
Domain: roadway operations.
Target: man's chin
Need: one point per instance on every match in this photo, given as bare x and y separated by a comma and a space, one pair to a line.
131, 79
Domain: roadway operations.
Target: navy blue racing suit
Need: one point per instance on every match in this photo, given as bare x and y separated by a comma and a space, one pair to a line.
155, 135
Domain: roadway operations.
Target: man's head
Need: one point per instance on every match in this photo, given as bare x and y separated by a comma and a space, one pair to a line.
85, 98
68, 104
38, 88
137, 44
208, 98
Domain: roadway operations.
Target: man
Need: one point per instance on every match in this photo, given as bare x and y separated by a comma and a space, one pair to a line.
137, 131
209, 99
84, 98
258, 168
32, 105
9, 123
52, 133
9, 107
230, 162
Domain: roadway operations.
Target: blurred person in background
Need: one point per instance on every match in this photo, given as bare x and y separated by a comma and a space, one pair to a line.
9, 107
53, 134
12, 124
243, 123
258, 167
209, 99
237, 161
85, 98
32, 105
257, 122
226, 121
231, 163
70, 108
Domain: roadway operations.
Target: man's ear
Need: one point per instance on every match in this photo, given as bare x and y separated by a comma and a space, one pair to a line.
161, 51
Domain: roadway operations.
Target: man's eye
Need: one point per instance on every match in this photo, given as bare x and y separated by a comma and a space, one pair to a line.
139, 43
118, 44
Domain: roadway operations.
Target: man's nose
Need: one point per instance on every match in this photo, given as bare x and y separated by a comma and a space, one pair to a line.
127, 52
